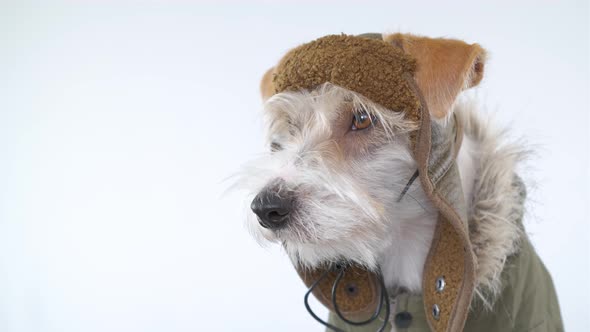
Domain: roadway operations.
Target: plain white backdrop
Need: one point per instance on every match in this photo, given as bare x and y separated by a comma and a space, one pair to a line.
120, 120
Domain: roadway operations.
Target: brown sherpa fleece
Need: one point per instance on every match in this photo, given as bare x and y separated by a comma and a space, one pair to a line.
369, 67
357, 294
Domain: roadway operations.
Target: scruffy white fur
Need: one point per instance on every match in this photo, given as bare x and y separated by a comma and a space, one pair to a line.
487, 164
347, 188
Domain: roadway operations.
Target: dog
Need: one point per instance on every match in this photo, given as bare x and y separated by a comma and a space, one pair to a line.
340, 184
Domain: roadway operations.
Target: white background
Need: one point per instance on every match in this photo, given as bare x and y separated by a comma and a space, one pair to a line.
119, 121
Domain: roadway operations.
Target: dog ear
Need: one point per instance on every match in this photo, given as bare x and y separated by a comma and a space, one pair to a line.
445, 67
267, 88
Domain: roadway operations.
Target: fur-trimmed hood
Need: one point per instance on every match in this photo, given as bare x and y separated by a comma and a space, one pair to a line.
497, 198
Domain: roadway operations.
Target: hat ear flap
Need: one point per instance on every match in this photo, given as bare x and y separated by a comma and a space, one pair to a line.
267, 88
445, 67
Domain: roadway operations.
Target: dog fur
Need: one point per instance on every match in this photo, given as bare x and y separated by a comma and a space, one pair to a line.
347, 185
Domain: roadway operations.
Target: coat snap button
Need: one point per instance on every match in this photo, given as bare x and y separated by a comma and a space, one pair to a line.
440, 284
403, 319
435, 311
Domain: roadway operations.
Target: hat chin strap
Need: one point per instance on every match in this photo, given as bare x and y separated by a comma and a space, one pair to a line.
341, 269
457, 148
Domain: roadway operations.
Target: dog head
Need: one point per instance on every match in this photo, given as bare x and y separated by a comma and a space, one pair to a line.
339, 160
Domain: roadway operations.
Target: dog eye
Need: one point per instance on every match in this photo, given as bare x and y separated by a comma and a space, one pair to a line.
362, 120
274, 147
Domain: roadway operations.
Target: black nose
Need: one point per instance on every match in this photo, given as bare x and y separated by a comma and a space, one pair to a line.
272, 208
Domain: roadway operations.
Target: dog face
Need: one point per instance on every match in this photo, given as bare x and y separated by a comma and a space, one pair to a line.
328, 188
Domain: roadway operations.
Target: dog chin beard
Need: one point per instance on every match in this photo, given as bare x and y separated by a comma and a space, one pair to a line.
313, 255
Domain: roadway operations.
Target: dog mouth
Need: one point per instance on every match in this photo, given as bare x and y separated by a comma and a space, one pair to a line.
311, 218
275, 220
314, 228
294, 232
